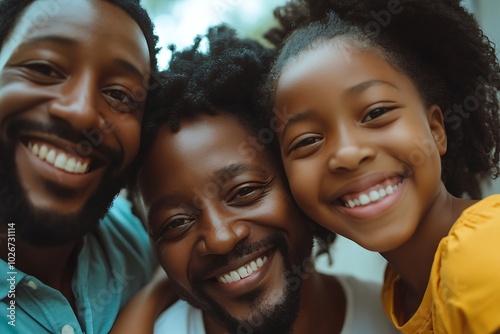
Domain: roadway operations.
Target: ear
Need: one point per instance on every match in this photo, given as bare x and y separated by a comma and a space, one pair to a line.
436, 125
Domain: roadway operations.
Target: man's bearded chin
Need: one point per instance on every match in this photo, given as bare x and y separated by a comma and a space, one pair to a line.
43, 227
264, 319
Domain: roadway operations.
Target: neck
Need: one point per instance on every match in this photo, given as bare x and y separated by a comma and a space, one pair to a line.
413, 260
52, 265
322, 305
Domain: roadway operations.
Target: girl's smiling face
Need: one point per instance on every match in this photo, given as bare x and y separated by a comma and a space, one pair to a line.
360, 148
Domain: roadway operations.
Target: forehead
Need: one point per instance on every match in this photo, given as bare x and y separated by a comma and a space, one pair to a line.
84, 21
335, 69
203, 146
207, 136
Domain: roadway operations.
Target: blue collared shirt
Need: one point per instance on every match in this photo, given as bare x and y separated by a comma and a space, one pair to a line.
114, 262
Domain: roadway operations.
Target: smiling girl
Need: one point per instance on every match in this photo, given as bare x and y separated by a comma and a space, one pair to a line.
386, 114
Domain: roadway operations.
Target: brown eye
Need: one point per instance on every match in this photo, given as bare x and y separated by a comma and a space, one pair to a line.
305, 142
375, 113
121, 100
43, 69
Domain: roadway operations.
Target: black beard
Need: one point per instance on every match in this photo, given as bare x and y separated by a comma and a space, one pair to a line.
44, 227
278, 318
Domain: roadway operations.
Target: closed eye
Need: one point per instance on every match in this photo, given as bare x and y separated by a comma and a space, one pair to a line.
42, 72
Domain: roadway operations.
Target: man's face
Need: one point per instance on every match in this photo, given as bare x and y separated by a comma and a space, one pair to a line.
72, 95
224, 226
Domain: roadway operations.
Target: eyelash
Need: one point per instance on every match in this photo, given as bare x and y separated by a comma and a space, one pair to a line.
305, 142
163, 232
248, 194
381, 112
128, 106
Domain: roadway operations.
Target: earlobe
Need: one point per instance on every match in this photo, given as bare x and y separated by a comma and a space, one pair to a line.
436, 124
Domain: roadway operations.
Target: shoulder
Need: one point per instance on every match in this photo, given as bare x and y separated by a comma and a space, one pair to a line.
121, 244
180, 318
466, 268
364, 311
469, 248
123, 229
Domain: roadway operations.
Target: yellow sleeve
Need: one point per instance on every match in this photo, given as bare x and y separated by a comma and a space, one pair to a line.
466, 273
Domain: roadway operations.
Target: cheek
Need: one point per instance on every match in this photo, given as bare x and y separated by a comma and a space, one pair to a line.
175, 262
127, 131
19, 97
304, 179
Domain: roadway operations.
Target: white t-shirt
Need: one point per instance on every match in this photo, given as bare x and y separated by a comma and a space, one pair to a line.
364, 312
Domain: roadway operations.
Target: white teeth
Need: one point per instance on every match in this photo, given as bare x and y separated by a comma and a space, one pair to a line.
59, 159
35, 149
242, 272
70, 165
43, 152
234, 276
372, 196
249, 270
51, 156
364, 199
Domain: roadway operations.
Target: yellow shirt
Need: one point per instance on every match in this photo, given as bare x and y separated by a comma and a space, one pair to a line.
463, 293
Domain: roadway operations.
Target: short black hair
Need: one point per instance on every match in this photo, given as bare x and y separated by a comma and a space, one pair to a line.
439, 45
225, 79
11, 10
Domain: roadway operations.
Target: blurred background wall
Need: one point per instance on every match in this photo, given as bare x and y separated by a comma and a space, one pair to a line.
179, 21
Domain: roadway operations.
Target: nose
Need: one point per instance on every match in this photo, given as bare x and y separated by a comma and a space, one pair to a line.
77, 103
222, 231
349, 150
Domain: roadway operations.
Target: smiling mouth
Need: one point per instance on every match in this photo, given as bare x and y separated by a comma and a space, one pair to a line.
372, 194
60, 159
243, 271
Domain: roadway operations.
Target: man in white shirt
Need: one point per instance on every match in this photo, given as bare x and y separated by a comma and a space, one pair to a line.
226, 230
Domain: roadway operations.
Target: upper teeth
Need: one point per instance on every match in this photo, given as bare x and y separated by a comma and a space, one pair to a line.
59, 159
243, 271
372, 196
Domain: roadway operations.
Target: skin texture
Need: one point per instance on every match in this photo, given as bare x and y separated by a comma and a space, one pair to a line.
75, 84
360, 125
215, 210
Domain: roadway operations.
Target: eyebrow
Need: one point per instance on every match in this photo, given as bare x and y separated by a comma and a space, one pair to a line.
128, 67
359, 88
236, 169
51, 38
296, 118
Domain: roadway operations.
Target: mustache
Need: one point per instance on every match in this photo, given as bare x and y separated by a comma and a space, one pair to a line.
66, 132
240, 250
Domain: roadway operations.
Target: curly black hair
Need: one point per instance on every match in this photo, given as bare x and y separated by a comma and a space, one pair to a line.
226, 79
11, 10
438, 44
